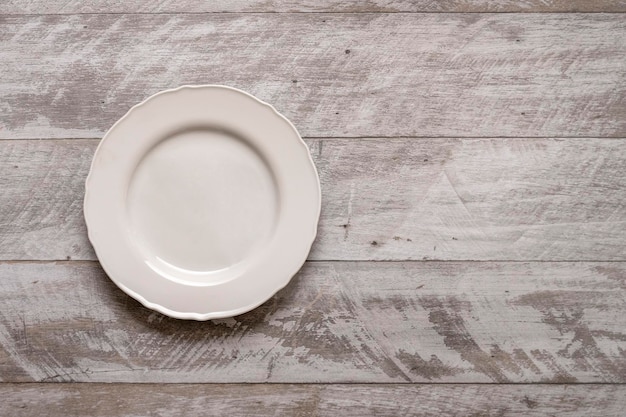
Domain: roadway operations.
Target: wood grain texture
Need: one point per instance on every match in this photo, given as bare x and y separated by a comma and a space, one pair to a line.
402, 199
333, 75
113, 400
335, 322
274, 6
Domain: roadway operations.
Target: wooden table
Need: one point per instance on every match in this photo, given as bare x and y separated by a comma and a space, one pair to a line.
470, 256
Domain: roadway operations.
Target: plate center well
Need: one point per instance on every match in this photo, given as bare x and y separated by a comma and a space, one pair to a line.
201, 201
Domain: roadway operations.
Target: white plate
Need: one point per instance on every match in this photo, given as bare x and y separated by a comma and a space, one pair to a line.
202, 202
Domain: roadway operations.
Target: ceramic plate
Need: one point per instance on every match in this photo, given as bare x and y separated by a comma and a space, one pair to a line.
202, 202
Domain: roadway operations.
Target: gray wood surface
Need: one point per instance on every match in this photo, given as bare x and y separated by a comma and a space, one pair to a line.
352, 6
482, 154
333, 75
383, 199
335, 322
96, 400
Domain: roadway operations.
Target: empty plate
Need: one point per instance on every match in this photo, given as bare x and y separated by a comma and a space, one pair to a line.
202, 202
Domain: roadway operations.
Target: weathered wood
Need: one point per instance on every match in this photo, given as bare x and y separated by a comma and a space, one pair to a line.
332, 74
403, 199
336, 322
350, 6
112, 400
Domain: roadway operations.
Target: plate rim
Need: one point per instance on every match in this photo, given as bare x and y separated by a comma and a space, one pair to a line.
214, 314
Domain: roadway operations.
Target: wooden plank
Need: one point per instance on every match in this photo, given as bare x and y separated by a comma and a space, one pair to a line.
113, 400
333, 75
402, 199
336, 322
278, 6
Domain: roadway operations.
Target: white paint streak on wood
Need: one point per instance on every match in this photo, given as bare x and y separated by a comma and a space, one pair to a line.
401, 199
359, 6
11, 341
347, 75
336, 322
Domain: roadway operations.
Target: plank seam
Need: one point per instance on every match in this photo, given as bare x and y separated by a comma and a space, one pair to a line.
308, 13
374, 137
313, 261
353, 384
